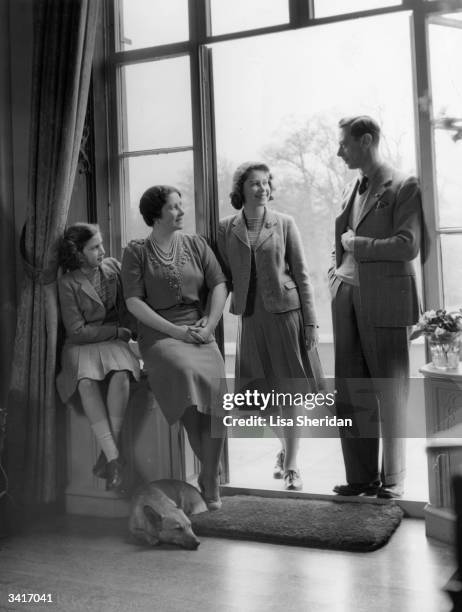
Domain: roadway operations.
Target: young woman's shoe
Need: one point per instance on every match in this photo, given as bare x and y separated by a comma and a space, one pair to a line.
278, 470
292, 480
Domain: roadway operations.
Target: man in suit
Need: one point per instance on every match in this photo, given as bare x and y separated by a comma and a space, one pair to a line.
374, 301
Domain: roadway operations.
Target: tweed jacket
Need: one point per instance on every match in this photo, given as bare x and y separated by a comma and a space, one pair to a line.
388, 238
280, 265
82, 311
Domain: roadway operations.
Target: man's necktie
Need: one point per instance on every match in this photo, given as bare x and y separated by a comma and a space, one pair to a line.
363, 185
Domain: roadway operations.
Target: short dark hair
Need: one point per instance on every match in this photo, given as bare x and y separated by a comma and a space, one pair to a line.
240, 176
152, 201
72, 244
360, 125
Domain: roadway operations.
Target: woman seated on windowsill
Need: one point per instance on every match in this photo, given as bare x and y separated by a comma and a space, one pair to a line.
165, 277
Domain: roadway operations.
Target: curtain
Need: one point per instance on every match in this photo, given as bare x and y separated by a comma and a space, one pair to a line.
64, 37
7, 234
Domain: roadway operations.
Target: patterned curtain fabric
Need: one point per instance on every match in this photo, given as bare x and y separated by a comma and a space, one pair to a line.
64, 32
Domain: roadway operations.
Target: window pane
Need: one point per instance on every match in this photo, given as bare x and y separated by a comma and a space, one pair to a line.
446, 78
451, 252
158, 104
147, 23
327, 8
240, 15
289, 119
140, 173
448, 161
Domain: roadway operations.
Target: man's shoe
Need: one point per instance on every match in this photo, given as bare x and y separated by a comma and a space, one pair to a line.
390, 491
278, 470
357, 489
292, 480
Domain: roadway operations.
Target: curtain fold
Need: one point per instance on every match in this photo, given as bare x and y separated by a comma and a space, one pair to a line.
64, 37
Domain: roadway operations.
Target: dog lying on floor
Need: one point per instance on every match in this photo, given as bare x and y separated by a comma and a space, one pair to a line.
160, 513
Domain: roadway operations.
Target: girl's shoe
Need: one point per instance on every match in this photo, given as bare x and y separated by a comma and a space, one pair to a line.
99, 469
114, 477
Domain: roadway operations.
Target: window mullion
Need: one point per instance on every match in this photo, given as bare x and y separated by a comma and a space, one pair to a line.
300, 12
432, 268
199, 20
209, 161
199, 25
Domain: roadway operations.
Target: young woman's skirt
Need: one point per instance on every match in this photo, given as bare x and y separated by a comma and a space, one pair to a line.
94, 361
271, 353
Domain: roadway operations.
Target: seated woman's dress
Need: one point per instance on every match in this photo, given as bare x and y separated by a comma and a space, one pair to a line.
92, 308
180, 374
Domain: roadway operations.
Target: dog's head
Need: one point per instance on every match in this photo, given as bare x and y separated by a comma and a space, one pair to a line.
172, 528
156, 519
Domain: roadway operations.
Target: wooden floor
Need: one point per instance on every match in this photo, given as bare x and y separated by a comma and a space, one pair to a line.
91, 564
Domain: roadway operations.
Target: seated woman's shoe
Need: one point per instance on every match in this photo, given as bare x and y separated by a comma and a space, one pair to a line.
211, 498
114, 478
213, 504
99, 469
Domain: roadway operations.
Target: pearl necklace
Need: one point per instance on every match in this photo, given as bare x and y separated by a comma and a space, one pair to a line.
165, 257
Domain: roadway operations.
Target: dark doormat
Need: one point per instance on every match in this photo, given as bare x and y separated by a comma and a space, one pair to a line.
299, 522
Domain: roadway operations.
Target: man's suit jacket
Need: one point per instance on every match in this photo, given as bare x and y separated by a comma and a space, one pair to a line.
83, 313
280, 264
388, 238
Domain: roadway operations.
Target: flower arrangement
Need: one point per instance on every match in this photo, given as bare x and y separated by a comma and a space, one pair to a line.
439, 325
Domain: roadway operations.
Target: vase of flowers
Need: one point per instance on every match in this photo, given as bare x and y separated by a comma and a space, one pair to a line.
443, 330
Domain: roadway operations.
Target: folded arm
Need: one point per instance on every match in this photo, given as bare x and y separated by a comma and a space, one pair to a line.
404, 243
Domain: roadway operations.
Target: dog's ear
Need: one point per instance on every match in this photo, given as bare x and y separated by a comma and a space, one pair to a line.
153, 517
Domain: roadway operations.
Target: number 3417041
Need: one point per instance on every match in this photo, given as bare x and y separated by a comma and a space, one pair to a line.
30, 598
